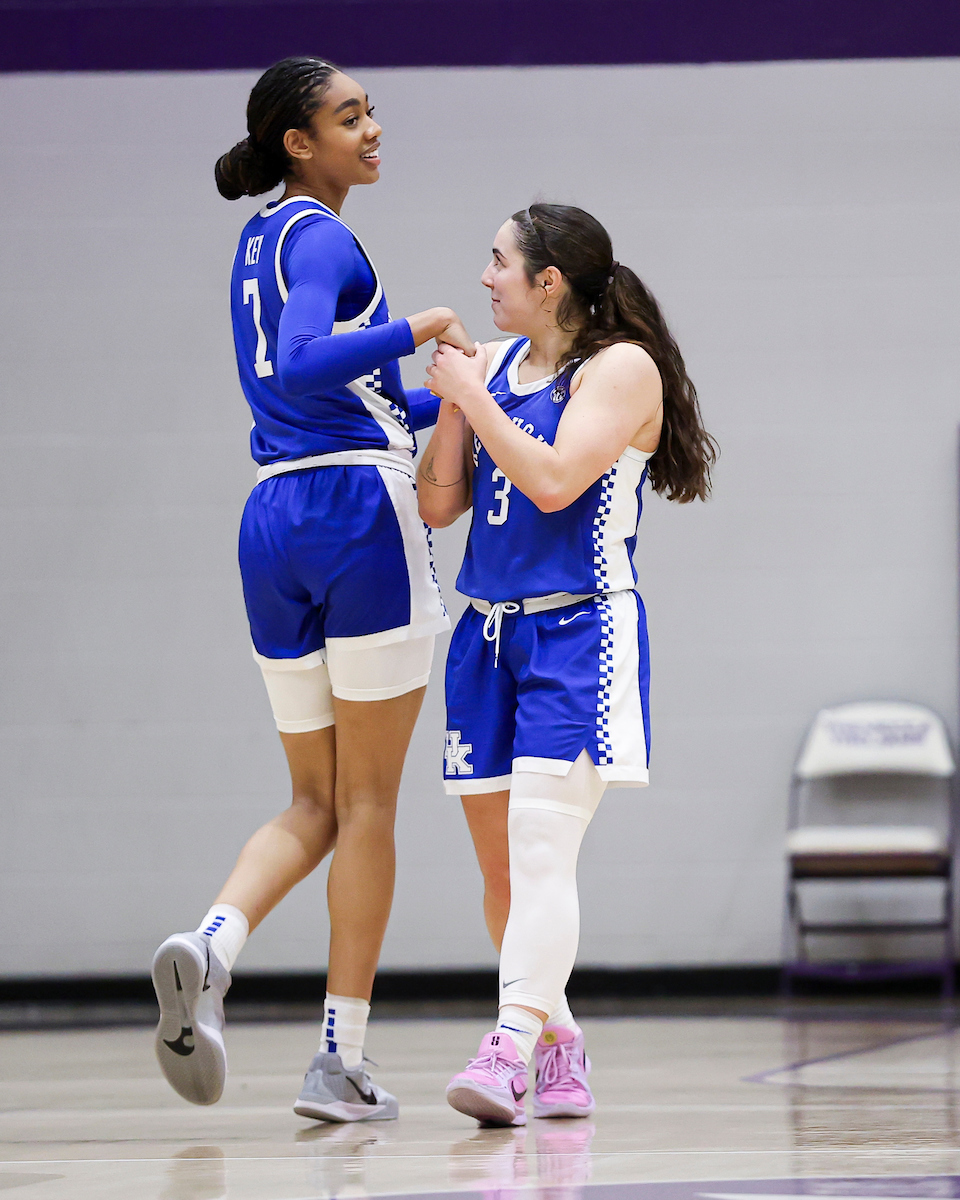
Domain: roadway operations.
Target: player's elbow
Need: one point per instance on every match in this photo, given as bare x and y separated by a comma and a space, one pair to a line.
557, 490
292, 379
435, 515
439, 513
304, 366
552, 497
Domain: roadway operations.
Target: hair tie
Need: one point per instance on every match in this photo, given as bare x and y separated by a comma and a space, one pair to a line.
613, 270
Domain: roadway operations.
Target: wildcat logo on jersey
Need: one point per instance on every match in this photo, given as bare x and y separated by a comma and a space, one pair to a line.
559, 394
252, 256
456, 754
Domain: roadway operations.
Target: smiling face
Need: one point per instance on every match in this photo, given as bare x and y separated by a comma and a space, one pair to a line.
341, 147
519, 306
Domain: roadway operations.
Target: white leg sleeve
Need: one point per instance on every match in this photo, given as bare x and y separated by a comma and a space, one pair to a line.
547, 819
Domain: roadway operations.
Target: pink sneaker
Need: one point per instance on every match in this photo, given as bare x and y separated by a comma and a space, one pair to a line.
562, 1068
494, 1084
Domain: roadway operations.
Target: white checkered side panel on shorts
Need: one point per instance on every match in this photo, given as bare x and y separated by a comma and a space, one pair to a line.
604, 744
604, 504
433, 566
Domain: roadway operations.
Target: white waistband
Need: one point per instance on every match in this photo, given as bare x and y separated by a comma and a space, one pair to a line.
538, 603
400, 460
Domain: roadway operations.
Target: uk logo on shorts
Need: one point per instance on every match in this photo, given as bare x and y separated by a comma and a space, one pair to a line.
456, 753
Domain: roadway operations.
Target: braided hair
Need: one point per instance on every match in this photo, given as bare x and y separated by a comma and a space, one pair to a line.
286, 96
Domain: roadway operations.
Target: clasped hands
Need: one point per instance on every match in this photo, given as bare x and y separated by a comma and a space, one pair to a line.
452, 371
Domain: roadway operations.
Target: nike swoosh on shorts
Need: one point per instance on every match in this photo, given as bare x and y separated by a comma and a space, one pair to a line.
566, 620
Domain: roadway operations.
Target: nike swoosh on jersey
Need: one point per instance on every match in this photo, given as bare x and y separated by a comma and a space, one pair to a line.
566, 620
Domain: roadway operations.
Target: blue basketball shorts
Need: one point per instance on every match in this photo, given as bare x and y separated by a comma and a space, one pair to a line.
565, 680
333, 559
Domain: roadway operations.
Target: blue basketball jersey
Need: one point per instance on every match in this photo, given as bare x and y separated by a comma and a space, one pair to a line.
338, 411
515, 551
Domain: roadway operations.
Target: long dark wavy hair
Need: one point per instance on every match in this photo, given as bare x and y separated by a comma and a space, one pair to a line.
286, 96
607, 303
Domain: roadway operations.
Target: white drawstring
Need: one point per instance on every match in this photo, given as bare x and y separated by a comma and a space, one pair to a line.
491, 626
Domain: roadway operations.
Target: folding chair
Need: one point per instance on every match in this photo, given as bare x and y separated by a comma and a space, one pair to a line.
870, 799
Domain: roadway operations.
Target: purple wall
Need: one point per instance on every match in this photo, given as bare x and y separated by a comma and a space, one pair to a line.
67, 35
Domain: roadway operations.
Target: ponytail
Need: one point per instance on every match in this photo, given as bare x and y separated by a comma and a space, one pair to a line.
628, 311
607, 303
285, 97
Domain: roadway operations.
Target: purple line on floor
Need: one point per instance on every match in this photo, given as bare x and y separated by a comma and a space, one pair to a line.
943, 1031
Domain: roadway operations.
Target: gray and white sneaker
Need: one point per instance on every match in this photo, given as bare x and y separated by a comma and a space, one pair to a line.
190, 982
332, 1093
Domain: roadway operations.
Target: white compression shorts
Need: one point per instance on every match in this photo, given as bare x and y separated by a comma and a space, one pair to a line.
301, 690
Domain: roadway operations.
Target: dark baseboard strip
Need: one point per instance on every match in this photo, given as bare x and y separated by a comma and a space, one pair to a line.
296, 987
588, 984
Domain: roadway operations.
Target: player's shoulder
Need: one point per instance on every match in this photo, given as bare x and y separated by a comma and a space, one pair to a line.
629, 357
319, 244
623, 362
316, 224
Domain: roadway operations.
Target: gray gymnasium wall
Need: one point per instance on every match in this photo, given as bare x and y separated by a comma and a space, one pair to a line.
799, 223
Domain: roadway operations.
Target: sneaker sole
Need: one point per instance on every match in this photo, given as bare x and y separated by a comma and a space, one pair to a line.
342, 1112
474, 1101
563, 1110
198, 1070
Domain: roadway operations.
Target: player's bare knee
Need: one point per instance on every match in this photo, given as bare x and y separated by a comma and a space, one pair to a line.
497, 897
496, 879
314, 803
365, 810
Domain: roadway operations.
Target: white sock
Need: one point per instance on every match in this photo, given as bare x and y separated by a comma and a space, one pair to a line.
522, 1026
344, 1026
227, 928
562, 1016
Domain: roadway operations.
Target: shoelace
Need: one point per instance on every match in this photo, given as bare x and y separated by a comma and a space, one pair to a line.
491, 626
494, 1062
552, 1073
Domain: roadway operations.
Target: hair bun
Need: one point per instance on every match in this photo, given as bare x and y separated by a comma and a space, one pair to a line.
232, 171
246, 171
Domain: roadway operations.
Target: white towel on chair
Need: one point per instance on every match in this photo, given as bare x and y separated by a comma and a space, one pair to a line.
865, 839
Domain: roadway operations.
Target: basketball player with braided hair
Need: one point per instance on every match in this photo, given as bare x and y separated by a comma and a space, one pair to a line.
549, 437
337, 574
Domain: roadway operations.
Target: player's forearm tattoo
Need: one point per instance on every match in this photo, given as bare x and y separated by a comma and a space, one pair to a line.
428, 473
